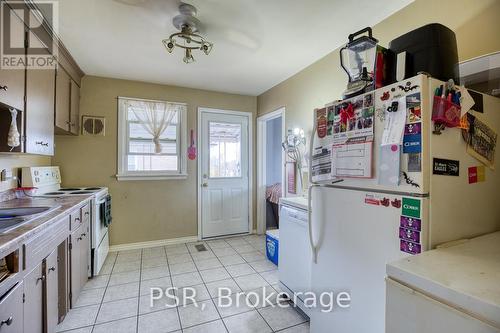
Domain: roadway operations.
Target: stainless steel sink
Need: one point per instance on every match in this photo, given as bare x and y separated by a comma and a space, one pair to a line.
21, 211
11, 218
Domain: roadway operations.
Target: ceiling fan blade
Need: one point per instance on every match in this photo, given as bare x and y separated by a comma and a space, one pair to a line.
170, 6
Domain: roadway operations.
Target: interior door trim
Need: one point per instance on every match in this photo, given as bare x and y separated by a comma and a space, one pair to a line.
250, 117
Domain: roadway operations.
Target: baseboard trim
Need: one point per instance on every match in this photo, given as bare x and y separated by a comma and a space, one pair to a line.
160, 242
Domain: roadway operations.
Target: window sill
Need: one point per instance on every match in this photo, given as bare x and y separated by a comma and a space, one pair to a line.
151, 177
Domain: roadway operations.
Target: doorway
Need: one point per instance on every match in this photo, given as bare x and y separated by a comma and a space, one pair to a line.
270, 168
224, 169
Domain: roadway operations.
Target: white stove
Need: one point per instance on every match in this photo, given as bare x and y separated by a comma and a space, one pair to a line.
47, 181
69, 191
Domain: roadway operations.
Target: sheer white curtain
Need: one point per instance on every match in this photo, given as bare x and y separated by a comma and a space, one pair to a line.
155, 117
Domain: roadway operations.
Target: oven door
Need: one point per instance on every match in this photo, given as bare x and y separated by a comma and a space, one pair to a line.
98, 227
100, 241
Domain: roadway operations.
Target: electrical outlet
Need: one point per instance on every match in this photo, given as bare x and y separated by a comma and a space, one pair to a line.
6, 175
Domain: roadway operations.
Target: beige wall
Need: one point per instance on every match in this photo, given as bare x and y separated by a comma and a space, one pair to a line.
142, 210
13, 162
476, 24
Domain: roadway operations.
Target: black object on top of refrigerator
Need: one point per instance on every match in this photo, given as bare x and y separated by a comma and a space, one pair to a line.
431, 49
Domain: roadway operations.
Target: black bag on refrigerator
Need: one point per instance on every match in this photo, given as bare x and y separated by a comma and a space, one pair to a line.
431, 49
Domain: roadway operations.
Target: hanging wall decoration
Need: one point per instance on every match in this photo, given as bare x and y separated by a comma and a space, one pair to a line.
192, 147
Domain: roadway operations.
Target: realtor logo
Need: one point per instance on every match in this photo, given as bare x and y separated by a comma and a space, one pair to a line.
24, 39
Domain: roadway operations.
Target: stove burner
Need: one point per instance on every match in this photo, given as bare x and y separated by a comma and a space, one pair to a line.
92, 188
54, 193
68, 189
81, 192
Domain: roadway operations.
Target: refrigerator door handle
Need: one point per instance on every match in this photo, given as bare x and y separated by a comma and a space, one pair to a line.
314, 249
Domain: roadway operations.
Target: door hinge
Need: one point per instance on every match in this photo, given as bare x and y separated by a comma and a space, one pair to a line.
24, 298
70, 246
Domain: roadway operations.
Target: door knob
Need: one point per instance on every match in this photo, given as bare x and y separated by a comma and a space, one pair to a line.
204, 184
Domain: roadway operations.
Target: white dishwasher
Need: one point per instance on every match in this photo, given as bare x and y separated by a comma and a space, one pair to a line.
294, 250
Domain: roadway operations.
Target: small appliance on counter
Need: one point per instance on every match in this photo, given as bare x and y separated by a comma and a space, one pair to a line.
431, 49
364, 61
47, 181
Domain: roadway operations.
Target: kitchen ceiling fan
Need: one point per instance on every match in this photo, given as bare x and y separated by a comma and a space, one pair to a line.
220, 14
188, 38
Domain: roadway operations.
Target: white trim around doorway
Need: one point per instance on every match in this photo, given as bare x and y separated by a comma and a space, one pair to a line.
249, 115
261, 165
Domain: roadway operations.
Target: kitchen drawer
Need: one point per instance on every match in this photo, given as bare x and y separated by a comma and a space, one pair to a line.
42, 245
11, 310
76, 219
86, 213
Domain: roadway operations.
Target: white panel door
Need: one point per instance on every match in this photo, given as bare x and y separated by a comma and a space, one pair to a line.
357, 238
224, 181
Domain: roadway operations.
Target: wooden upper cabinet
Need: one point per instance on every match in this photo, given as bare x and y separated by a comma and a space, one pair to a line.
40, 89
63, 102
75, 108
12, 80
67, 118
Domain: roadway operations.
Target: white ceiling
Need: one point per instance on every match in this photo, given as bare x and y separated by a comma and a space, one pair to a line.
257, 43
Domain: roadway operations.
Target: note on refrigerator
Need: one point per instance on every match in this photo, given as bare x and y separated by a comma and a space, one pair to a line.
352, 160
321, 164
389, 165
395, 120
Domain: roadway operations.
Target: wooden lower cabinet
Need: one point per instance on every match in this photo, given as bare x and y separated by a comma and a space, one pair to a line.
84, 253
11, 310
79, 254
51, 292
56, 266
33, 300
76, 265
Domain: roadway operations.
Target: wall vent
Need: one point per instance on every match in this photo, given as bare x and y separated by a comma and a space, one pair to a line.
93, 125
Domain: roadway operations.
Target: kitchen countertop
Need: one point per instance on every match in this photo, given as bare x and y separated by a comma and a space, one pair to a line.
466, 276
11, 240
297, 202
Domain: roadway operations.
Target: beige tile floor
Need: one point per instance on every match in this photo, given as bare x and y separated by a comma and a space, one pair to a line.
118, 300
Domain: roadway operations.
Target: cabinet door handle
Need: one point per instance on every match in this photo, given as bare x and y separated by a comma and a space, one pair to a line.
77, 219
52, 269
83, 235
41, 143
79, 238
41, 278
7, 321
4, 88
86, 213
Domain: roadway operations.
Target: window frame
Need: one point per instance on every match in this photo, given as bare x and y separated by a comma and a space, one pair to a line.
124, 138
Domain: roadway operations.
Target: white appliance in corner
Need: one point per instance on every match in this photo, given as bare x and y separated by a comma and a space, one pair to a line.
294, 267
47, 180
358, 225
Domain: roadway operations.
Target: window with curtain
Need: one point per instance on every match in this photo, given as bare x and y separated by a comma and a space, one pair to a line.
152, 139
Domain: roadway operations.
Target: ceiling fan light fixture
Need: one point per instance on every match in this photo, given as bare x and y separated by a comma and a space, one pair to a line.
206, 47
169, 45
188, 58
187, 38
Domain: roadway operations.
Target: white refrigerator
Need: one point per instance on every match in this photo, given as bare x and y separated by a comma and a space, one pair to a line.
372, 204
